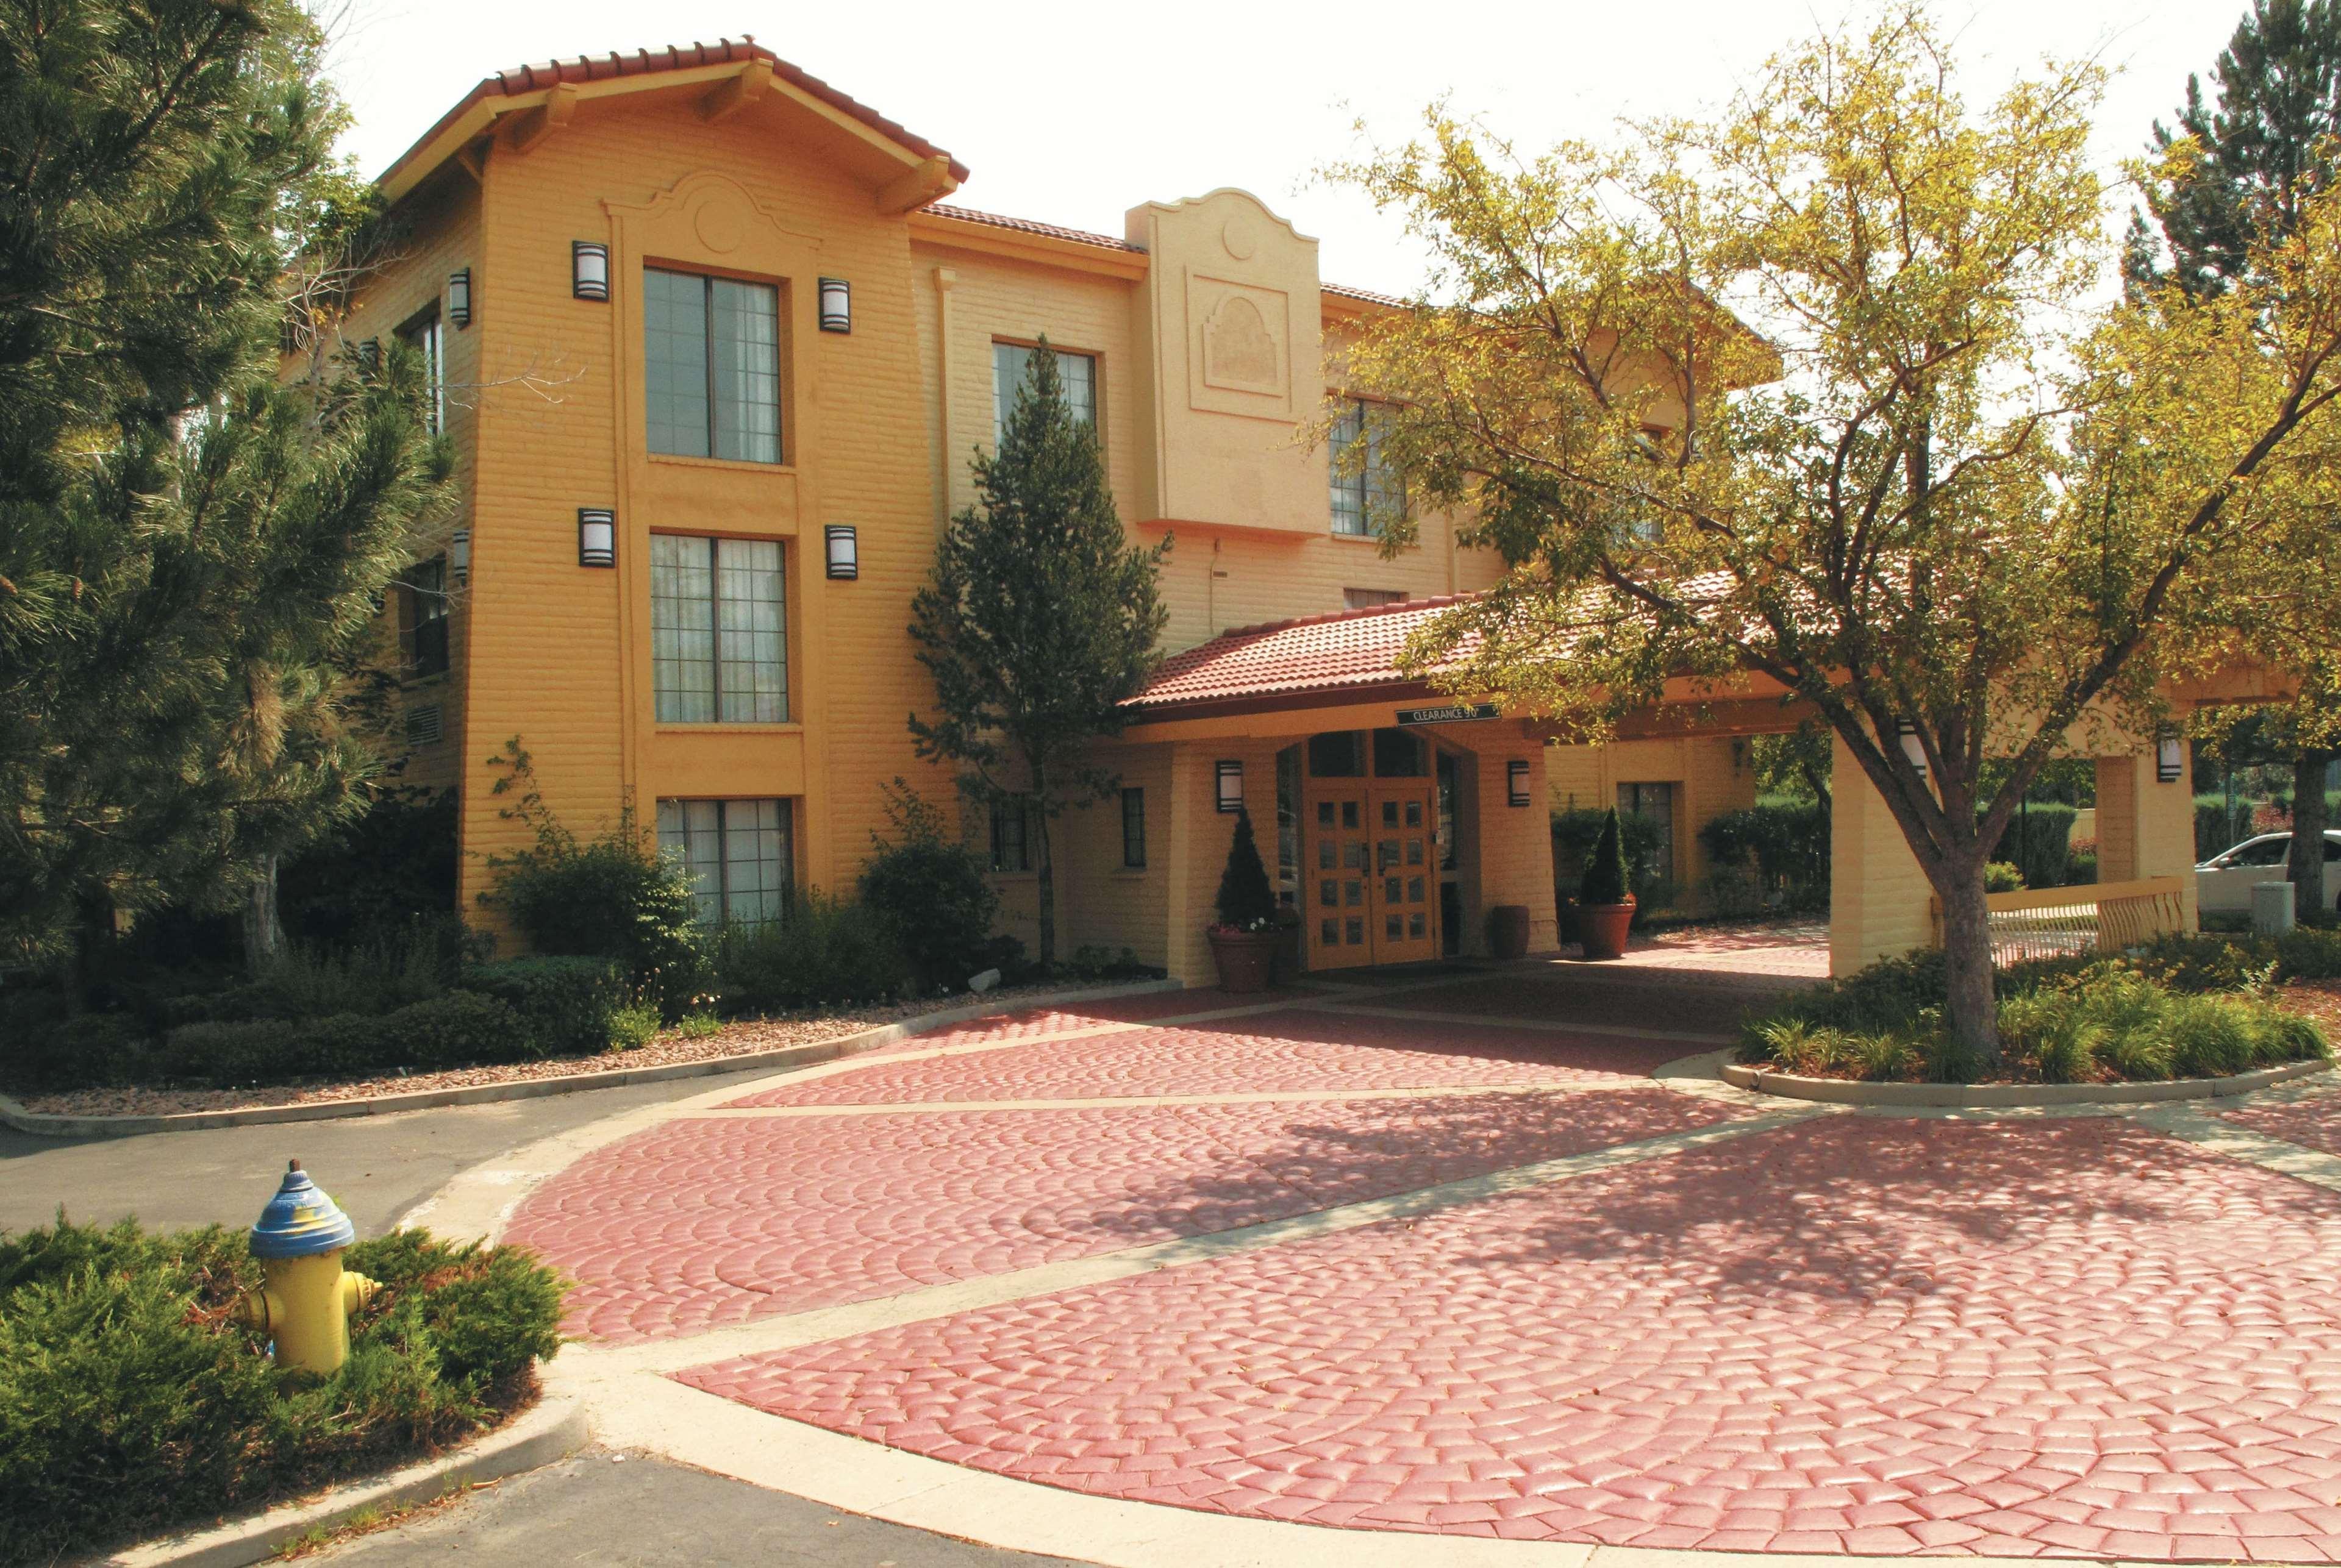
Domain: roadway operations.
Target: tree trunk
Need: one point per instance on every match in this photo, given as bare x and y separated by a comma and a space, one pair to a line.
2306, 866
1972, 1012
264, 930
1046, 888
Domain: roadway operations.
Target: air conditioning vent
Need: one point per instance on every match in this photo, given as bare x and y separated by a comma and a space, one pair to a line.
423, 725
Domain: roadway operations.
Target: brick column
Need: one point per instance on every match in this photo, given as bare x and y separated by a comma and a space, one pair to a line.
1880, 903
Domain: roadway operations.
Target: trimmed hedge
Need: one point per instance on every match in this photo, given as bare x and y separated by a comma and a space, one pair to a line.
826, 952
569, 1006
132, 1402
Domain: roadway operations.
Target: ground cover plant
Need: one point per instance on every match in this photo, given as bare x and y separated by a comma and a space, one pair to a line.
131, 1401
2193, 1006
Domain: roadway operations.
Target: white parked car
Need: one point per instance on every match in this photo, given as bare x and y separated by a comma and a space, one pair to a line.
2222, 884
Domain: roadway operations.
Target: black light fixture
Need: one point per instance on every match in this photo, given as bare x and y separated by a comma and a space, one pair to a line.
597, 536
1516, 781
459, 557
589, 263
2169, 758
836, 305
459, 297
844, 551
1913, 748
1232, 797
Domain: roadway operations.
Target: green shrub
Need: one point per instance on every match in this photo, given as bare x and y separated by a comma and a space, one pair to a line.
568, 1006
456, 1030
2207, 1036
2219, 825
2038, 843
130, 1401
1783, 846
2002, 876
1606, 880
935, 891
826, 952
613, 897
1576, 831
633, 1026
1246, 900
379, 975
94, 1048
262, 1050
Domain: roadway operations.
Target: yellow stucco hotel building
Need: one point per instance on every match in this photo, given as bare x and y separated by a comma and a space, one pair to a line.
717, 350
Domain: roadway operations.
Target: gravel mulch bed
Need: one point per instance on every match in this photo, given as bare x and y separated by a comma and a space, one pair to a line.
746, 1038
2318, 1000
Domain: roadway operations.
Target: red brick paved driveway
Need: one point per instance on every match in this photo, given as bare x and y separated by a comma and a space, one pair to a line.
2071, 1336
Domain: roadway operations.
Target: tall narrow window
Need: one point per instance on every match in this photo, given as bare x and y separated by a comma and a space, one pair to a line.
1011, 837
1655, 804
1133, 830
1365, 494
429, 339
711, 366
424, 616
719, 631
1011, 362
740, 854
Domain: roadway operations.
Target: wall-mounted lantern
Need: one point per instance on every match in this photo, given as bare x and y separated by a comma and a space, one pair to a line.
1232, 797
844, 551
1913, 748
459, 297
2169, 758
459, 557
589, 264
1516, 782
597, 536
836, 305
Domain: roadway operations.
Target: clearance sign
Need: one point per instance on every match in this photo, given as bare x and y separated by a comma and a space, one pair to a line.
1461, 713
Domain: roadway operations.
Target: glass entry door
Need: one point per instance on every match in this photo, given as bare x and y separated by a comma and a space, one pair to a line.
1373, 872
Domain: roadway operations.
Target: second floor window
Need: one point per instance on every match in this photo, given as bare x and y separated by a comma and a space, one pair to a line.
429, 339
422, 612
1370, 598
1011, 835
1011, 362
1365, 491
711, 366
719, 631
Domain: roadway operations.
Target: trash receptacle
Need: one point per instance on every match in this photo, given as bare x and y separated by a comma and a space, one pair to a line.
2271, 908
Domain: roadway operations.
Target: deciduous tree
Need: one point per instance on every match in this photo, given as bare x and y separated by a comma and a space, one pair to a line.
1826, 394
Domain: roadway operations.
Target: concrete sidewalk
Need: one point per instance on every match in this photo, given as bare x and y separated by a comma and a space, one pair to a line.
598, 1507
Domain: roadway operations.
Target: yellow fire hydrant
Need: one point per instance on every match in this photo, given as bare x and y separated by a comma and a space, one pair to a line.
305, 1301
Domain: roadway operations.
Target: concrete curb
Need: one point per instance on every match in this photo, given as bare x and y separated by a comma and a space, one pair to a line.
14, 1114
554, 1429
1909, 1096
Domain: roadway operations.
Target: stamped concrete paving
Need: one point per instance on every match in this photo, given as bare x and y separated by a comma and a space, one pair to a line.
2008, 1337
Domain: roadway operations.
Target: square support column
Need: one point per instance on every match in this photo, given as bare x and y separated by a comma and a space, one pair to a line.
1880, 902
2145, 828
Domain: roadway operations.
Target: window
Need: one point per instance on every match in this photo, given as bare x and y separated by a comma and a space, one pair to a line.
1364, 491
424, 616
719, 631
429, 340
1655, 804
1370, 598
1133, 829
711, 366
740, 854
1011, 835
1011, 363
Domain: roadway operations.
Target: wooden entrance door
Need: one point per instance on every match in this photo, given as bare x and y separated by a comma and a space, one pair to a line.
1374, 873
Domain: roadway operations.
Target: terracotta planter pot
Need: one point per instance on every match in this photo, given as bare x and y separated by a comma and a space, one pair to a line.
1508, 930
1246, 959
1603, 926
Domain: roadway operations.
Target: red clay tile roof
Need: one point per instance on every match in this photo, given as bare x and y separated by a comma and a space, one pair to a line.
1368, 295
1030, 226
1346, 650
522, 79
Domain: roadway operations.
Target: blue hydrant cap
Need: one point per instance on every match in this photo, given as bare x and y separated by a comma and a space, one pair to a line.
301, 1221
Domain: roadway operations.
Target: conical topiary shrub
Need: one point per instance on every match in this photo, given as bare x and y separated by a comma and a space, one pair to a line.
1246, 901
1605, 878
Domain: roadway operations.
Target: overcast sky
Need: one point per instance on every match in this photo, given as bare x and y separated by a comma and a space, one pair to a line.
1075, 113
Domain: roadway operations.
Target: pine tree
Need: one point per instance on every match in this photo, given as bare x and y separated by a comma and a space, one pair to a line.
1607, 879
1246, 900
189, 551
1039, 620
2256, 156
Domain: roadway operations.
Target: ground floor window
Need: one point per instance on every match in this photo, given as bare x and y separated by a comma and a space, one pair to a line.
1133, 830
1655, 804
1011, 835
740, 854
